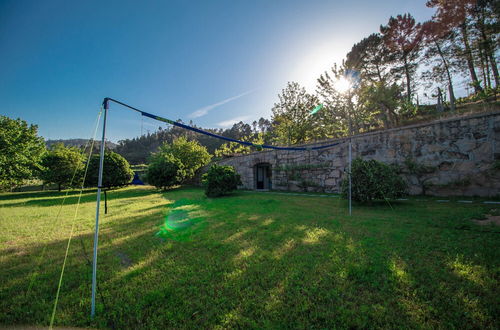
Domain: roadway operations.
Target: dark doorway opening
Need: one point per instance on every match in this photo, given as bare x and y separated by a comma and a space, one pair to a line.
262, 175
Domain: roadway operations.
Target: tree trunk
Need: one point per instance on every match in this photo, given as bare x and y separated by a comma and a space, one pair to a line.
494, 68
440, 101
489, 51
470, 60
59, 187
448, 75
408, 80
452, 97
379, 74
386, 118
483, 67
488, 76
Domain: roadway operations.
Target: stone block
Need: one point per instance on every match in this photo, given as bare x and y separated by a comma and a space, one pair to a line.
330, 182
335, 174
415, 190
433, 148
484, 152
465, 145
449, 154
465, 167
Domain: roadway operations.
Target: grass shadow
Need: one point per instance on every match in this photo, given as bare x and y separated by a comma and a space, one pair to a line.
264, 261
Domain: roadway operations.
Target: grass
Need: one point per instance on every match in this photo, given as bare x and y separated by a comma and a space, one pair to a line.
251, 260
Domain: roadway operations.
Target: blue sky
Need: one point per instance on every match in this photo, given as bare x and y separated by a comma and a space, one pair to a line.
213, 62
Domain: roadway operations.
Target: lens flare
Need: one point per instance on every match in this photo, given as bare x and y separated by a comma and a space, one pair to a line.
181, 222
342, 85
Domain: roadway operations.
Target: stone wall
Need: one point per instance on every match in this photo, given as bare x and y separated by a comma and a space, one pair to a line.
461, 155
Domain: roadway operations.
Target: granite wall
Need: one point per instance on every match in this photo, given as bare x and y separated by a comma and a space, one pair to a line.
459, 156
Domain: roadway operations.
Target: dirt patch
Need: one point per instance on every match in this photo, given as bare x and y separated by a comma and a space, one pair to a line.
490, 219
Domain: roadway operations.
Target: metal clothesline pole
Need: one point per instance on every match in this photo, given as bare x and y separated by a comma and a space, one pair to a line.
350, 152
350, 176
96, 231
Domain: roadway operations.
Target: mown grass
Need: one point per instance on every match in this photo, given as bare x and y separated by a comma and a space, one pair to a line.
251, 260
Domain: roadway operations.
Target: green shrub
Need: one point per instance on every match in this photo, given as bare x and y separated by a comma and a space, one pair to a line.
191, 154
116, 171
372, 180
63, 166
220, 180
165, 170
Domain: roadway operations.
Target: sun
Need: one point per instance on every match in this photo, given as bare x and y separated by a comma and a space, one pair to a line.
342, 85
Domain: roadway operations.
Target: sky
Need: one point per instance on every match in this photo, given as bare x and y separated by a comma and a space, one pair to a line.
212, 62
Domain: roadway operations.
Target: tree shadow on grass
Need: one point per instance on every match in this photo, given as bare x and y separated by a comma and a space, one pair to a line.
21, 267
36, 194
88, 195
257, 268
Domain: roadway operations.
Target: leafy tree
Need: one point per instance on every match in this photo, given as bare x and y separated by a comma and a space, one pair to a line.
116, 171
403, 36
342, 111
264, 125
371, 58
372, 180
382, 101
238, 131
191, 154
21, 150
487, 14
62, 165
439, 53
230, 149
291, 121
457, 15
165, 170
220, 180
336, 114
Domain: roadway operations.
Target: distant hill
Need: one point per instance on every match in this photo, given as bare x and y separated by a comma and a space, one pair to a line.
79, 143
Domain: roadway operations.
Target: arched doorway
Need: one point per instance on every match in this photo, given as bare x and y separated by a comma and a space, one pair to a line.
262, 176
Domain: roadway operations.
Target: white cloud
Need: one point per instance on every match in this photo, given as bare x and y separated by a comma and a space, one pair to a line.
231, 122
204, 110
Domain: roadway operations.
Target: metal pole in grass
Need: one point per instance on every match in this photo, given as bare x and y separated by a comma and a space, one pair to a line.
350, 176
96, 231
350, 151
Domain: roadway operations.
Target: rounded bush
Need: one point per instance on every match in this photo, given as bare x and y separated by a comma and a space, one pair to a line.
164, 170
63, 166
220, 180
116, 171
372, 180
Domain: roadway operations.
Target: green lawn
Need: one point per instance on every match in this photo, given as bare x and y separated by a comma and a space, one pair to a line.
252, 260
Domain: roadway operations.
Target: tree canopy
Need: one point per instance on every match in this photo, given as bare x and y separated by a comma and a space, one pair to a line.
116, 171
165, 170
21, 150
291, 120
62, 165
191, 154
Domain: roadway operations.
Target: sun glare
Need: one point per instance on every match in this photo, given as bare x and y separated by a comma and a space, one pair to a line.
342, 85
